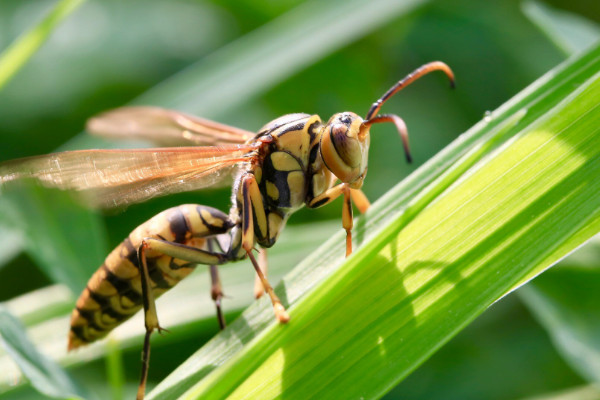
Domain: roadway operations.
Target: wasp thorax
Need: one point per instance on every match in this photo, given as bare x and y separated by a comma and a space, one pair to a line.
345, 146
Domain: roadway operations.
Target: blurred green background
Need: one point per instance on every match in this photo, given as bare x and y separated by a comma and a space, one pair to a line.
108, 53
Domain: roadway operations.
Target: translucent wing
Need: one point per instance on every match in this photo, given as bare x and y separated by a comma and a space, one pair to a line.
164, 127
112, 178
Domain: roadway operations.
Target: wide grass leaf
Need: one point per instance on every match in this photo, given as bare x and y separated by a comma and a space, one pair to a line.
499, 206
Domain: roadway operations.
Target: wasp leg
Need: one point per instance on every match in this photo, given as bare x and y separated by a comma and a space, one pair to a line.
259, 290
347, 219
360, 200
216, 289
175, 250
252, 203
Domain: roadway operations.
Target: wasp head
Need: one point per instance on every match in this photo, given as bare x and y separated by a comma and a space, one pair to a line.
345, 138
345, 147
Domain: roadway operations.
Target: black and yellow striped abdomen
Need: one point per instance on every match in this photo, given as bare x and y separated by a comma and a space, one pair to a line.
114, 293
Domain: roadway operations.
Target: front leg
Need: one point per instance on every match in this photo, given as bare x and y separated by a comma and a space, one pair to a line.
360, 200
347, 218
252, 203
263, 262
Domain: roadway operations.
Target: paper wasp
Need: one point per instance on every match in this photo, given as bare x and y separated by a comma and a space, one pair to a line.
294, 160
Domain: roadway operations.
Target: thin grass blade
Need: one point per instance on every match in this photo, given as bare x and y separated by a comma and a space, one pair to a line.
46, 376
565, 301
21, 50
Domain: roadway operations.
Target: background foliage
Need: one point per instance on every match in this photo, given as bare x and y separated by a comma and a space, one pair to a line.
108, 53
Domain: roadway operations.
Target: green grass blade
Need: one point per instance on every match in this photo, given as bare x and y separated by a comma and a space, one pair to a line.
11, 244
569, 32
479, 363
590, 392
524, 202
46, 376
46, 312
259, 60
114, 370
17, 54
13, 58
565, 301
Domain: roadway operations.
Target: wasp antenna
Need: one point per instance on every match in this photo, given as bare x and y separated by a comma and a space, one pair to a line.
410, 78
400, 125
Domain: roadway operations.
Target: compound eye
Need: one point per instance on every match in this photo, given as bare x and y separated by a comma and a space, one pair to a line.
347, 147
339, 130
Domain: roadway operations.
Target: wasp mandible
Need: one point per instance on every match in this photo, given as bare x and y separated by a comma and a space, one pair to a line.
293, 161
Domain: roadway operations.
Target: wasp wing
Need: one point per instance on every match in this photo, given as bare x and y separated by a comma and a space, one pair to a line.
164, 127
113, 178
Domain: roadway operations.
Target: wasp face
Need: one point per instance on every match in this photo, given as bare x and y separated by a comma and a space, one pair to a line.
345, 147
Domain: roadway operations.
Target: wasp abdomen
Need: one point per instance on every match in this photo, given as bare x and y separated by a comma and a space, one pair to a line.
114, 292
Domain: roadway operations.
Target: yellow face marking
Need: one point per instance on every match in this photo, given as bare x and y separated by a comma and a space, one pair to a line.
284, 162
272, 190
275, 225
296, 181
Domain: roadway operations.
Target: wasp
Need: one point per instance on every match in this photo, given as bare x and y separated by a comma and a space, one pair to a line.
293, 161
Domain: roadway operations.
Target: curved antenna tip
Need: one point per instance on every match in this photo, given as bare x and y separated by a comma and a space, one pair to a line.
413, 76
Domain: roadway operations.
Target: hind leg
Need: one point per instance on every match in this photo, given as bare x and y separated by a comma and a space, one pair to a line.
216, 289
191, 230
178, 251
